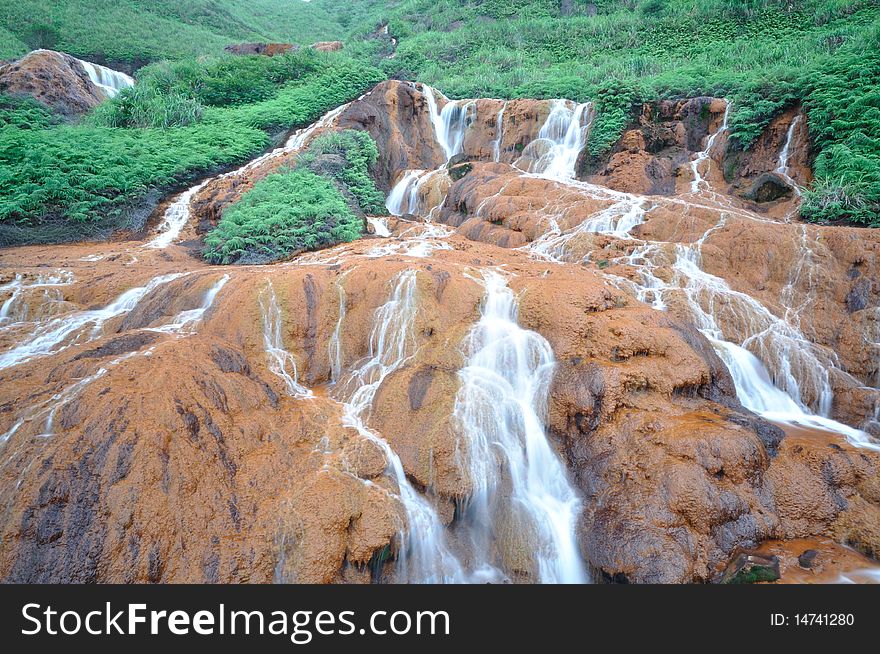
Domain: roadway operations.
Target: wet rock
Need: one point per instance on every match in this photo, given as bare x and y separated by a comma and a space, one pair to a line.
808, 558
749, 568
859, 296
122, 345
53, 78
768, 188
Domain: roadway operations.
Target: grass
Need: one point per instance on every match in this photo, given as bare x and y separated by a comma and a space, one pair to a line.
92, 173
318, 203
133, 32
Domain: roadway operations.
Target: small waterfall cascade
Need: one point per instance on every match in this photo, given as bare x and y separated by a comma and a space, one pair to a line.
698, 182
108, 80
59, 333
799, 392
380, 227
403, 197
174, 219
450, 123
424, 555
281, 362
617, 220
783, 169
15, 308
563, 135
185, 321
520, 487
499, 133
334, 345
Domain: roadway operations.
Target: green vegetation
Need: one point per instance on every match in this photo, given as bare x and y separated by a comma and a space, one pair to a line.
318, 203
139, 31
283, 214
346, 157
92, 173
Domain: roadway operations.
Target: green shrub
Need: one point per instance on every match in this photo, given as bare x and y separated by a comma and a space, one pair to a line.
282, 215
356, 152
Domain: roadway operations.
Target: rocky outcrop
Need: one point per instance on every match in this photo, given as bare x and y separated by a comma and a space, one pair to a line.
328, 46
268, 49
655, 153
53, 78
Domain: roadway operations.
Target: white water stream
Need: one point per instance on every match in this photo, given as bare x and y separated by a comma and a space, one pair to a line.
521, 496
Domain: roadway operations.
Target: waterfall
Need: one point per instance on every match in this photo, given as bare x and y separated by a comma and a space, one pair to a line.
564, 133
51, 337
498, 412
698, 181
184, 321
451, 123
334, 346
400, 198
499, 133
108, 80
281, 362
782, 169
380, 227
757, 393
424, 554
617, 220
174, 219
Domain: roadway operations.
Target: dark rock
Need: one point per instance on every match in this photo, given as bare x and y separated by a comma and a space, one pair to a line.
121, 345
808, 558
860, 295
767, 188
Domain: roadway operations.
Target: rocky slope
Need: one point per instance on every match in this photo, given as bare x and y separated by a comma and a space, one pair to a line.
312, 420
63, 83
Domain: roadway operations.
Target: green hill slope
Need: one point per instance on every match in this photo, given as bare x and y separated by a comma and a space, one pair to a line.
138, 31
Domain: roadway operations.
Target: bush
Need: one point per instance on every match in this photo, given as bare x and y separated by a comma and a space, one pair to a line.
356, 152
283, 214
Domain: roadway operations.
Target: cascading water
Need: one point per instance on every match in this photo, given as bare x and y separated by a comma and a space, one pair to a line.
14, 309
564, 135
424, 554
782, 169
404, 195
175, 219
698, 182
499, 133
108, 80
60, 333
184, 321
450, 123
281, 362
521, 494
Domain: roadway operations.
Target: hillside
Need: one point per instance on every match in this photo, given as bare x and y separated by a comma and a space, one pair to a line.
126, 33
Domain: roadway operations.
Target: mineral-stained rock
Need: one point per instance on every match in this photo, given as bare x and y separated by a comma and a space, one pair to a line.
268, 49
55, 79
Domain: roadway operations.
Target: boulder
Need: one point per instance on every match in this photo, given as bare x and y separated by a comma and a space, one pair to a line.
55, 79
328, 46
268, 49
